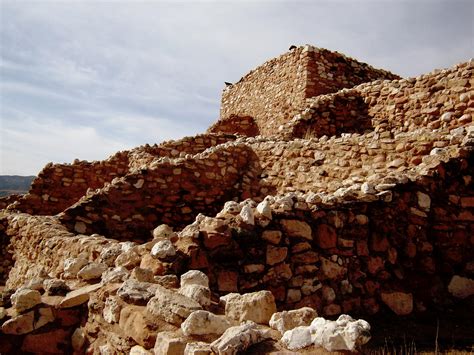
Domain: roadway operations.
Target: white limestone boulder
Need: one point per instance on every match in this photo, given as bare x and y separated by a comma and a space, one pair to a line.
163, 249
297, 338
163, 231
204, 322
92, 271
237, 339
25, 299
194, 277
134, 291
198, 293
72, 266
287, 320
256, 306
343, 334
169, 343
171, 306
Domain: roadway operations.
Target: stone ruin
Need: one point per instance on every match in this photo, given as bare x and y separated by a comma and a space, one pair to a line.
327, 187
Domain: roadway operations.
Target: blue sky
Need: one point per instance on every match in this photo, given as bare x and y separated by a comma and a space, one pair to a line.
84, 79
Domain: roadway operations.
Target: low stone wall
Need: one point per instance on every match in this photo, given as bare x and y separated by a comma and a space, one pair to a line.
276, 91
58, 186
171, 192
142, 156
442, 99
233, 124
400, 251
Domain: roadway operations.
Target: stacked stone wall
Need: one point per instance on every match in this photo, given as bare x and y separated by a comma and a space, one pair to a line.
400, 252
442, 99
276, 91
171, 192
60, 185
344, 163
144, 155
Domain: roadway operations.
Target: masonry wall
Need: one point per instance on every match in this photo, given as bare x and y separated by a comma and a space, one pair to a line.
60, 185
171, 192
276, 91
442, 99
354, 257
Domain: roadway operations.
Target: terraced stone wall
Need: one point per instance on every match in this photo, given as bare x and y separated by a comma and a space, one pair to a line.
346, 162
400, 251
276, 91
442, 99
146, 154
58, 186
171, 192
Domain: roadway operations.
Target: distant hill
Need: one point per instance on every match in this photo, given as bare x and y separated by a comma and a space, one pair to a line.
13, 184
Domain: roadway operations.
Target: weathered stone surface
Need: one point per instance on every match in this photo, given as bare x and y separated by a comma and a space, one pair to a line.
24, 299
287, 320
134, 322
237, 339
92, 271
171, 306
54, 287
264, 209
163, 231
21, 324
153, 264
128, 259
79, 296
137, 292
163, 249
168, 343
204, 322
142, 275
109, 254
198, 348
297, 338
343, 334
194, 277
272, 236
139, 350
200, 294
275, 255
461, 287
247, 215
257, 307
112, 308
297, 229
73, 265
399, 302
116, 275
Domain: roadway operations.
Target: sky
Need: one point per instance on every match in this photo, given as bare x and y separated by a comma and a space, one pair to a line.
85, 79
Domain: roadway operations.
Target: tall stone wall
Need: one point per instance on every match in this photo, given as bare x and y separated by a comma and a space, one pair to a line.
171, 192
442, 99
276, 91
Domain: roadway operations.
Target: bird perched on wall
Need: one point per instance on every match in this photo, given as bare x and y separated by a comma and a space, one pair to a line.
227, 83
292, 47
